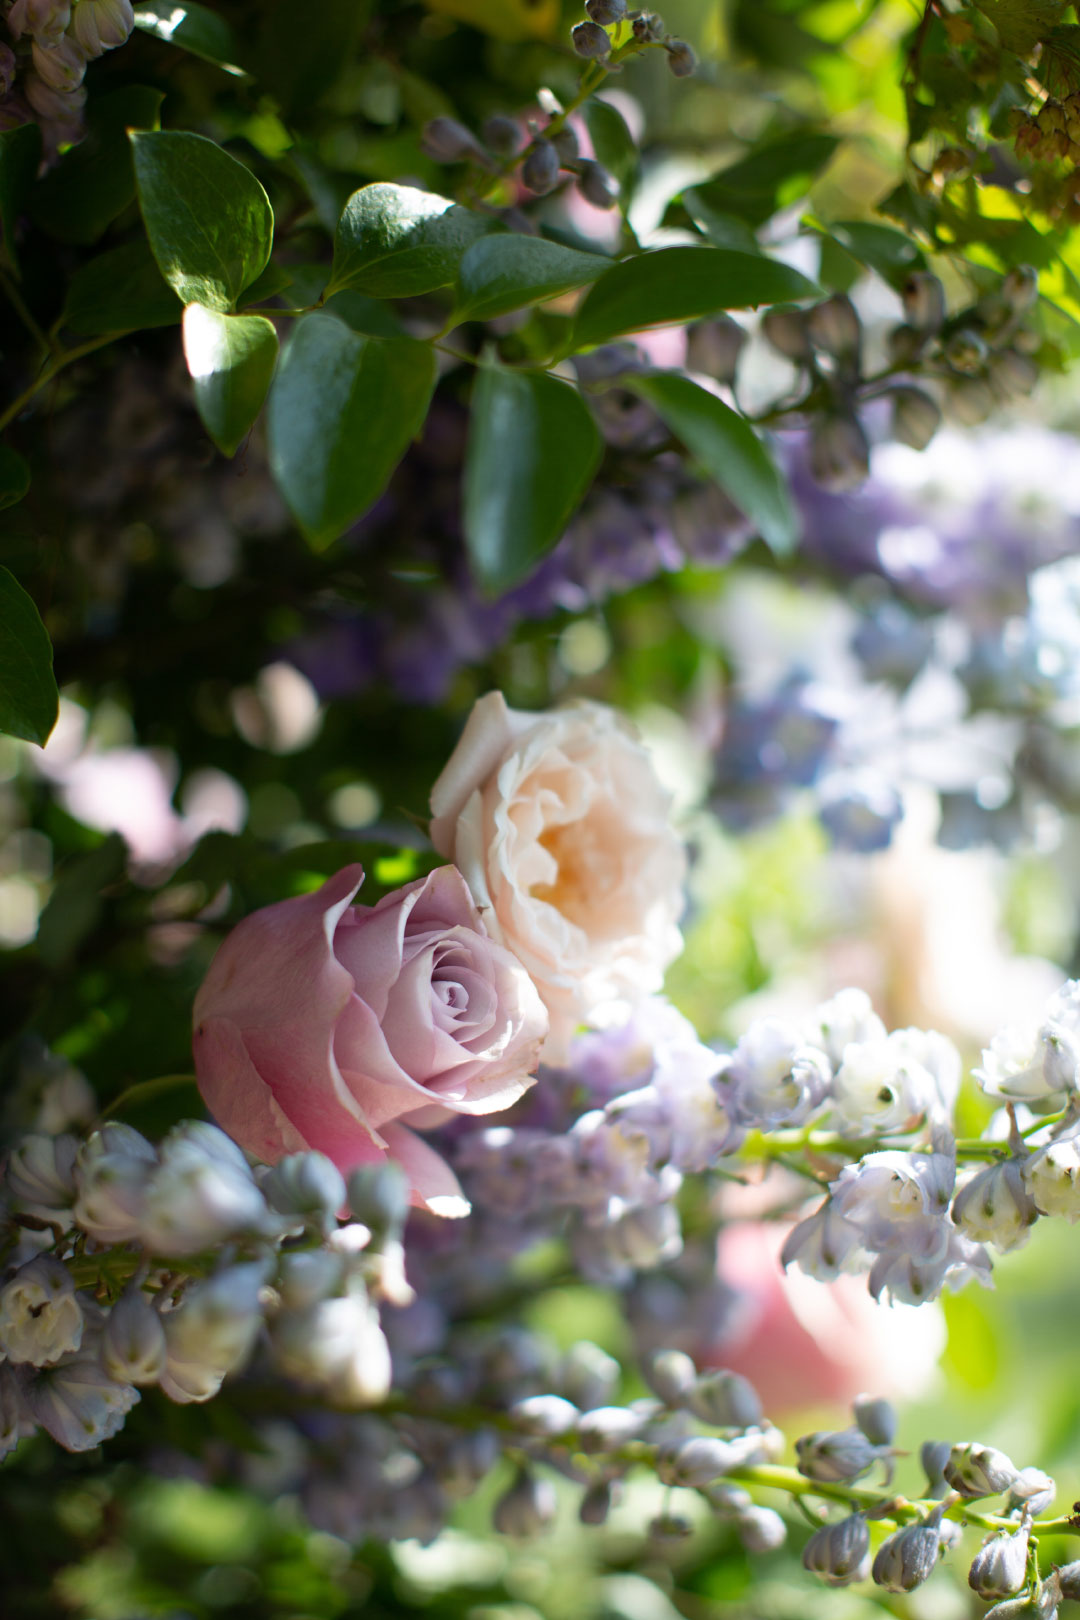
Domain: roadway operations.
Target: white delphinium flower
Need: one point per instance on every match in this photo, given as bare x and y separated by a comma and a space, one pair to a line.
79, 1404
899, 1200
824, 1245
44, 19
1052, 1177
133, 1340
212, 1332
112, 1170
15, 1419
909, 1279
936, 1056
996, 1207
61, 66
847, 1019
102, 25
1028, 1063
773, 1077
308, 1185
201, 1193
40, 1315
339, 1347
881, 1084
40, 1176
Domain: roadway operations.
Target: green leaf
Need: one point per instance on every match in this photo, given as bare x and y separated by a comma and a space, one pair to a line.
14, 477
723, 230
120, 291
231, 359
274, 279
300, 64
209, 220
613, 144
193, 28
396, 241
532, 453
93, 182
343, 410
892, 254
727, 448
777, 172
682, 284
29, 701
500, 273
20, 154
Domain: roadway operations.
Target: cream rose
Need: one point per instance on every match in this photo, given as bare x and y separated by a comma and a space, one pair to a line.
562, 831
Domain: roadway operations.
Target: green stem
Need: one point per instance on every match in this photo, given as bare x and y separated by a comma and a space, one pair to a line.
145, 1091
65, 358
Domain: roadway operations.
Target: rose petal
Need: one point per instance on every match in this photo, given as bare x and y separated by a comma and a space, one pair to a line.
435, 1186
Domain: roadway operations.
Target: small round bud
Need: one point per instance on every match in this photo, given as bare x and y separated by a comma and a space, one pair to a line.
133, 1342
305, 1184
596, 1503
597, 186
761, 1529
996, 1207
839, 454
969, 401
834, 327
589, 1376
786, 330
680, 58
907, 1557
669, 1527
501, 134
1013, 375
526, 1508
697, 1461
1069, 1580
915, 417
999, 1568
40, 1173
540, 171
835, 1455
966, 352
565, 143
1031, 1489
713, 347
1020, 288
924, 302
1040, 1604
379, 1196
606, 12
590, 41
545, 1416
839, 1553
725, 1399
977, 1470
648, 28
671, 1376
606, 1428
448, 141
934, 1455
905, 345
876, 1418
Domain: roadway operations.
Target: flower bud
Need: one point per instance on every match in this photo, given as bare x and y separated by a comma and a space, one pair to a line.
697, 1461
1031, 1489
379, 1196
306, 1184
1052, 1177
915, 417
908, 1556
725, 1399
79, 1404
133, 1342
996, 1207
999, 1568
924, 302
1040, 1604
648, 28
448, 141
1013, 375
606, 1428
540, 171
308, 1276
761, 1529
588, 1376
671, 1375
839, 454
834, 327
339, 1347
905, 345
834, 1456
46, 20
934, 1455
501, 134
597, 186
680, 58
786, 330
545, 1416
969, 401
526, 1508
201, 1193
102, 25
977, 1470
713, 347
839, 1553
61, 108
1020, 288
40, 1316
1069, 1580
112, 1170
596, 1503
40, 1174
590, 41
965, 351
565, 143
61, 65
212, 1332
606, 12
876, 1418
669, 1528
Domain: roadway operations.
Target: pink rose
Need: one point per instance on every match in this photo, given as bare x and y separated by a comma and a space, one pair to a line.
562, 830
330, 1027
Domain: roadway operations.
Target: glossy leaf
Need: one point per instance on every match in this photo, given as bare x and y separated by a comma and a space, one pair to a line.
20, 154
299, 65
120, 291
727, 447
723, 230
892, 254
29, 701
193, 28
755, 186
397, 241
78, 199
343, 410
208, 219
14, 476
532, 453
500, 273
613, 143
682, 284
231, 360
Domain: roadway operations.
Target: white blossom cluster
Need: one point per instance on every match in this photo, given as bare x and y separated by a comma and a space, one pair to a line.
53, 41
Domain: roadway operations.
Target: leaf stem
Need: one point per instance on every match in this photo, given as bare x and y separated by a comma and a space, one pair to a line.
63, 359
22, 310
